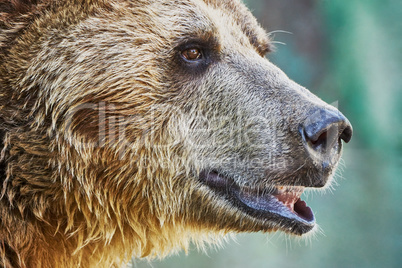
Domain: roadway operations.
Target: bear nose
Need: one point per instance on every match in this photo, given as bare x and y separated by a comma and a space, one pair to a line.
324, 128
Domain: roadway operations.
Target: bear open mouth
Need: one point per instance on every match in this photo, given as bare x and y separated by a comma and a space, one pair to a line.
280, 205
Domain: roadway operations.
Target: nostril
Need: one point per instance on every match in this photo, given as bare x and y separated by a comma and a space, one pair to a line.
321, 139
324, 138
324, 128
346, 134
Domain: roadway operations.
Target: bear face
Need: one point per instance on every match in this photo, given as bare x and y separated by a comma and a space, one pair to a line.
134, 127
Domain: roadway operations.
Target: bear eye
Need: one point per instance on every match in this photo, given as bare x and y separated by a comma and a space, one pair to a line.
192, 54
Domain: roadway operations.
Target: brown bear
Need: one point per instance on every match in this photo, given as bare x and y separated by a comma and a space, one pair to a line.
133, 128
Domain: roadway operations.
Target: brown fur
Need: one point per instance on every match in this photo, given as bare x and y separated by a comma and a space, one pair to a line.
104, 133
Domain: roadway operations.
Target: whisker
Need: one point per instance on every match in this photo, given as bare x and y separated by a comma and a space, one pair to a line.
271, 35
279, 31
278, 42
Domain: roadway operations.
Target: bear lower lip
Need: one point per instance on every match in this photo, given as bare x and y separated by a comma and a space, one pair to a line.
281, 203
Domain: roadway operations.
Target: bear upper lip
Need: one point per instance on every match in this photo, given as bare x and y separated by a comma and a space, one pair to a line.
275, 203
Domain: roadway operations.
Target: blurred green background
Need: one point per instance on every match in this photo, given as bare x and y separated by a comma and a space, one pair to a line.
350, 54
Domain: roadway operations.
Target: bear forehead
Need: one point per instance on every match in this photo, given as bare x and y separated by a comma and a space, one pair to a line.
206, 17
232, 15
